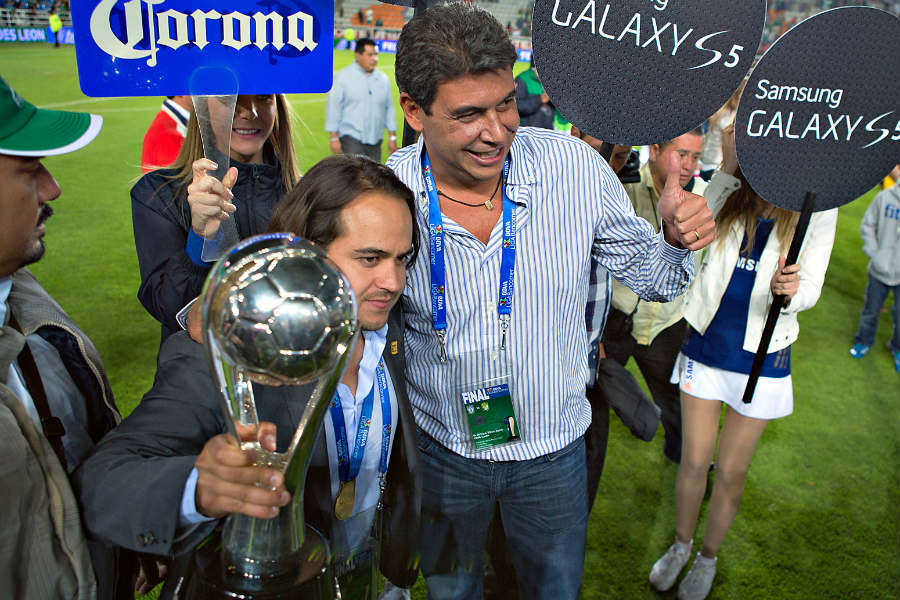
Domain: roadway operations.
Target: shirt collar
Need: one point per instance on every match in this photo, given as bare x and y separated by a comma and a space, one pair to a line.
359, 69
521, 170
376, 340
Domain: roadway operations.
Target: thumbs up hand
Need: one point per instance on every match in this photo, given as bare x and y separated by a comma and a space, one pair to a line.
687, 220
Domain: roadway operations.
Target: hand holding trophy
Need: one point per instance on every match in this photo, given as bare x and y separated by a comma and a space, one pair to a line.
276, 312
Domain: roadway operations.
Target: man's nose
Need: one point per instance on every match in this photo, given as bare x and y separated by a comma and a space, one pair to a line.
392, 277
494, 129
48, 189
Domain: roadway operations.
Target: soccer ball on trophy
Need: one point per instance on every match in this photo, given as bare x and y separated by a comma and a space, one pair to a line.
282, 311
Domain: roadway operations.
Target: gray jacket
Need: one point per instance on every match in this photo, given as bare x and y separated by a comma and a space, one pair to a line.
44, 551
880, 231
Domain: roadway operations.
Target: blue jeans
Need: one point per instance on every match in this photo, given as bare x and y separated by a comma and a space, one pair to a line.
876, 293
544, 508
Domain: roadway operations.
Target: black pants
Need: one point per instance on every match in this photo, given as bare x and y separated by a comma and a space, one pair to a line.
655, 362
595, 440
351, 145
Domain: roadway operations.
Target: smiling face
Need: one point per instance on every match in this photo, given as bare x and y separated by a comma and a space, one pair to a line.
26, 186
254, 119
373, 251
471, 127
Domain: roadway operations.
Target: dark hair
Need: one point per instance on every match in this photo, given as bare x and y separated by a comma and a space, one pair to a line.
446, 42
695, 131
361, 44
313, 207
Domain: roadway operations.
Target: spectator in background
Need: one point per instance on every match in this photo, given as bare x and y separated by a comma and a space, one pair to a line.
880, 231
711, 155
164, 137
55, 24
652, 332
174, 209
726, 307
360, 106
891, 178
532, 101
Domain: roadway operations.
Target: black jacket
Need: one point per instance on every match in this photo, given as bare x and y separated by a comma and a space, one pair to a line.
162, 219
147, 459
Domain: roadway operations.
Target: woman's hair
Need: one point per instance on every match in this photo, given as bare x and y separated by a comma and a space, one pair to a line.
744, 206
280, 143
312, 208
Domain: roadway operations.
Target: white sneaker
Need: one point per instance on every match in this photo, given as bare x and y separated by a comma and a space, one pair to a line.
665, 570
698, 581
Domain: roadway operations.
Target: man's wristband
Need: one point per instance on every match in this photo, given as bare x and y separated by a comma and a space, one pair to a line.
392, 138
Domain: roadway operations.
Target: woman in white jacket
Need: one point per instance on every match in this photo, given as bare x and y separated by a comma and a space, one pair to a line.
726, 308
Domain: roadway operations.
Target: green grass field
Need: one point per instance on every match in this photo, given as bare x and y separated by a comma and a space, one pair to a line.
820, 514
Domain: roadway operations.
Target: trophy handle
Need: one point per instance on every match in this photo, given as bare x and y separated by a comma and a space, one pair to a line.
236, 393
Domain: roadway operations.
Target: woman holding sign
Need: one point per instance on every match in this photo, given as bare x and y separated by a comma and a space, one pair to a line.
726, 308
173, 209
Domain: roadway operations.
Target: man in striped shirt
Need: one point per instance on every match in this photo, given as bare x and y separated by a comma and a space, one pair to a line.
496, 316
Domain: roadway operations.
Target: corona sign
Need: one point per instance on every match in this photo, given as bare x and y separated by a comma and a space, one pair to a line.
157, 47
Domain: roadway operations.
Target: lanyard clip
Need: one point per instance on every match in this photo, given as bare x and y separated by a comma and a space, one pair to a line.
380, 504
442, 339
504, 327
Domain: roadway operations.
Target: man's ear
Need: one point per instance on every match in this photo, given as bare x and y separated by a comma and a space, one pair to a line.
654, 152
412, 112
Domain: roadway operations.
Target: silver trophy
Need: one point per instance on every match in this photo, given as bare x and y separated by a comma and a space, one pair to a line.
276, 311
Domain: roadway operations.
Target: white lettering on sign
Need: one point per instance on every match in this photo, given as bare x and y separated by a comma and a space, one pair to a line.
645, 31
839, 128
171, 28
791, 93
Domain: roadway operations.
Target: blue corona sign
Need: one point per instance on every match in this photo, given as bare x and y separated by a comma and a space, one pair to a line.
171, 47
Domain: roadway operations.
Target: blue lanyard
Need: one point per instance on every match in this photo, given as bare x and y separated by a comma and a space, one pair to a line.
438, 268
348, 467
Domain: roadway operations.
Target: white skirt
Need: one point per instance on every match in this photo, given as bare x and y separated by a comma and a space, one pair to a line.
773, 397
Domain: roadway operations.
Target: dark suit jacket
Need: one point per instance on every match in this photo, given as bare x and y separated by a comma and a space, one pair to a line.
131, 486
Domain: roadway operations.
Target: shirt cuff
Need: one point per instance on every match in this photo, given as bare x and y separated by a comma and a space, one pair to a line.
194, 248
188, 514
670, 253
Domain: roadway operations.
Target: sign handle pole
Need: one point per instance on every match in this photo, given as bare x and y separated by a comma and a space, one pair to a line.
778, 300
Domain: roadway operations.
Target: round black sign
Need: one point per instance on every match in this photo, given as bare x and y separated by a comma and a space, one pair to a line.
821, 111
643, 71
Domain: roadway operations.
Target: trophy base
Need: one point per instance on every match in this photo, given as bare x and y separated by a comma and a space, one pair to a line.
311, 579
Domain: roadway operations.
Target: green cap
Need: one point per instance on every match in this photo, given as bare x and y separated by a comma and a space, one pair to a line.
26, 130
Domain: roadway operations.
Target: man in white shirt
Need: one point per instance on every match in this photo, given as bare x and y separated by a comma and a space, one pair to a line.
496, 317
360, 106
